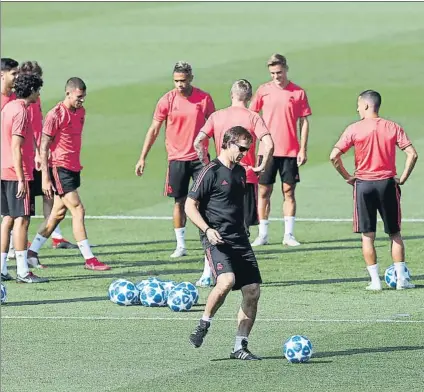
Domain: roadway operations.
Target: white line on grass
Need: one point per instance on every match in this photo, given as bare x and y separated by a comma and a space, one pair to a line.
268, 320
142, 217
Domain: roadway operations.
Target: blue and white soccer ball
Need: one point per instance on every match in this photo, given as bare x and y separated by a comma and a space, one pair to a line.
390, 276
168, 285
139, 285
152, 294
192, 289
297, 349
180, 300
123, 292
3, 293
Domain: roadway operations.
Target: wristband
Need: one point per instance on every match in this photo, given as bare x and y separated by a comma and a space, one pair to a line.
207, 230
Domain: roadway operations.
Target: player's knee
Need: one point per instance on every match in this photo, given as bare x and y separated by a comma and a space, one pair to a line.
21, 223
78, 211
225, 283
288, 192
252, 292
265, 191
8, 221
396, 237
180, 202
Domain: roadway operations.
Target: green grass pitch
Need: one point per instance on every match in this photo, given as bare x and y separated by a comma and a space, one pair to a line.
67, 336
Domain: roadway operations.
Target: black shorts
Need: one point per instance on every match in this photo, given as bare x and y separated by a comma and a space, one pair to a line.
372, 196
64, 180
251, 205
236, 257
10, 205
36, 188
178, 177
286, 166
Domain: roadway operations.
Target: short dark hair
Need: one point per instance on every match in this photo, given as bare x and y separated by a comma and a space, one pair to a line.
27, 84
30, 67
75, 83
277, 59
234, 134
183, 67
8, 64
373, 97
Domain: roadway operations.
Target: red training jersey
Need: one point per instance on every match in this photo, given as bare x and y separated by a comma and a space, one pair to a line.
184, 117
7, 98
374, 141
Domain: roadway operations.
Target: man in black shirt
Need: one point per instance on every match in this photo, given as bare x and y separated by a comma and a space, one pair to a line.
215, 205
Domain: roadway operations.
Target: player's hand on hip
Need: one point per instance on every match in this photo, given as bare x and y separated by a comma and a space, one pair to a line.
399, 181
302, 157
139, 168
47, 187
214, 237
351, 180
258, 169
22, 189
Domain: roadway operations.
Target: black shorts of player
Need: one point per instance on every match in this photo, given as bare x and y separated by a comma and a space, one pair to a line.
10, 205
372, 196
237, 257
251, 205
36, 188
286, 166
178, 177
64, 180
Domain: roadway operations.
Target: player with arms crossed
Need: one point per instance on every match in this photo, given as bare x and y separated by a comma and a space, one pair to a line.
17, 165
185, 110
284, 106
215, 204
62, 134
216, 126
375, 187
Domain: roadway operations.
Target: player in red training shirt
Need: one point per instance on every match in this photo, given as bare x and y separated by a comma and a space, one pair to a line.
36, 120
9, 72
17, 164
62, 136
284, 107
218, 123
185, 110
375, 186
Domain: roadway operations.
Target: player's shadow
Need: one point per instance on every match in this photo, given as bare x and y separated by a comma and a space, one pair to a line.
358, 239
143, 243
58, 301
302, 249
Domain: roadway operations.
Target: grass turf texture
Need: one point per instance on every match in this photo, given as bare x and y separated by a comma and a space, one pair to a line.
125, 53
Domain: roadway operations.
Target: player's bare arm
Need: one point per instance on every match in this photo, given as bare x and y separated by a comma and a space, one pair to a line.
268, 145
149, 140
17, 143
199, 146
302, 156
37, 158
411, 159
192, 212
336, 160
46, 183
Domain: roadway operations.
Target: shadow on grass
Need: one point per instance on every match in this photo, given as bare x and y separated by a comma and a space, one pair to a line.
358, 239
58, 301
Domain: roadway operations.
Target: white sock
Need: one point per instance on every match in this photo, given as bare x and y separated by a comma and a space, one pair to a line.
37, 243
239, 339
289, 225
206, 269
400, 270
11, 241
207, 319
263, 228
22, 263
180, 235
373, 271
4, 263
57, 233
85, 249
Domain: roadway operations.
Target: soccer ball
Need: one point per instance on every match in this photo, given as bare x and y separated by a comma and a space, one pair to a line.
152, 294
3, 293
123, 292
168, 285
297, 349
180, 300
390, 276
139, 285
192, 289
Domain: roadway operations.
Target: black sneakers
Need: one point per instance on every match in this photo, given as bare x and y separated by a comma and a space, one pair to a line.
196, 338
244, 353
6, 277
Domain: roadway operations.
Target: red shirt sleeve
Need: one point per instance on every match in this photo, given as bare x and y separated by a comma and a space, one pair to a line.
257, 102
346, 140
304, 109
402, 139
51, 124
208, 128
260, 128
20, 123
162, 109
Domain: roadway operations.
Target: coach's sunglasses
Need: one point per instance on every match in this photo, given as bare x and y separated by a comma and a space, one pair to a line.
242, 148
